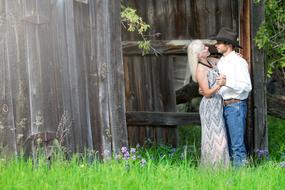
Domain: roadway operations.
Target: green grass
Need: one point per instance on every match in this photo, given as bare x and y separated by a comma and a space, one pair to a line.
276, 138
165, 168
20, 174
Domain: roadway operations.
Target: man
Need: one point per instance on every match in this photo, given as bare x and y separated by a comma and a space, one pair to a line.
236, 85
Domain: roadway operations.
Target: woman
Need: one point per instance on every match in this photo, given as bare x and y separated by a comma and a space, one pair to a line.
214, 146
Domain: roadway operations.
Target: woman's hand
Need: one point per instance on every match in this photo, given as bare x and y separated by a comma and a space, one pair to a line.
201, 91
221, 80
239, 54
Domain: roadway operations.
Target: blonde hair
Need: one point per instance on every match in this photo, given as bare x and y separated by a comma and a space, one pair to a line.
194, 48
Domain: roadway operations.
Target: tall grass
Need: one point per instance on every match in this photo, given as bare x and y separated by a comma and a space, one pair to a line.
154, 167
76, 174
276, 138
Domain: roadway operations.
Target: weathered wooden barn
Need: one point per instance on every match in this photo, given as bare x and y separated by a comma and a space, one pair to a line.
68, 71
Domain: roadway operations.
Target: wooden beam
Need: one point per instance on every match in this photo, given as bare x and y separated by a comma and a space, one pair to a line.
245, 41
116, 81
169, 47
258, 80
245, 34
142, 118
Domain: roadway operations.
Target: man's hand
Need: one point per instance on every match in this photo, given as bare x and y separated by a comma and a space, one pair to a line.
239, 54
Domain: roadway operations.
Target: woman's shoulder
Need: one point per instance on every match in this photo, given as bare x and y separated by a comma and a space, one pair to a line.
201, 70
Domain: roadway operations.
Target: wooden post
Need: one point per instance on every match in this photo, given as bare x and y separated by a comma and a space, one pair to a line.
259, 81
106, 82
116, 78
245, 40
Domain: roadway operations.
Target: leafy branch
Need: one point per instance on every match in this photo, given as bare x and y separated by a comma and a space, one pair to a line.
271, 35
134, 23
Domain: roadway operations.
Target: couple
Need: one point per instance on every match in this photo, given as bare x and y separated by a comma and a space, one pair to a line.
225, 85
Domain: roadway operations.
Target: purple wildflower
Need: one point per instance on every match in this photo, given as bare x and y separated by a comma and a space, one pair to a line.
138, 145
134, 157
124, 149
262, 153
133, 150
126, 155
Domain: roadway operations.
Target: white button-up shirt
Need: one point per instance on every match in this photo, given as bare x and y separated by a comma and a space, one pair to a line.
238, 84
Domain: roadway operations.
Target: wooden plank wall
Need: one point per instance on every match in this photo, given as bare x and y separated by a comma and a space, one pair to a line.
61, 70
149, 80
149, 87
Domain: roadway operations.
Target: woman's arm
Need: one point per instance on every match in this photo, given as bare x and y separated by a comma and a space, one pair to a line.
201, 75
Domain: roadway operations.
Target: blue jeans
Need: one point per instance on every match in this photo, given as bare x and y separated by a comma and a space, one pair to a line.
235, 119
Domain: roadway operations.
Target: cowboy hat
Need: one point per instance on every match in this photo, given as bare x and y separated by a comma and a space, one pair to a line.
227, 35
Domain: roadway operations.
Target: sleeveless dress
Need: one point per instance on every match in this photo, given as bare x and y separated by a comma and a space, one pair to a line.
214, 145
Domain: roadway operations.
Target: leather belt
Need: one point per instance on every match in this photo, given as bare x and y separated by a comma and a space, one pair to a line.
230, 101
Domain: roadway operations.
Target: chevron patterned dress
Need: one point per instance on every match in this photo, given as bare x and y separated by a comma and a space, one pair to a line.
214, 145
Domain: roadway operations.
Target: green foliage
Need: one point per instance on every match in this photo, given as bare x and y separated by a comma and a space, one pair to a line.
276, 135
271, 35
144, 46
134, 23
